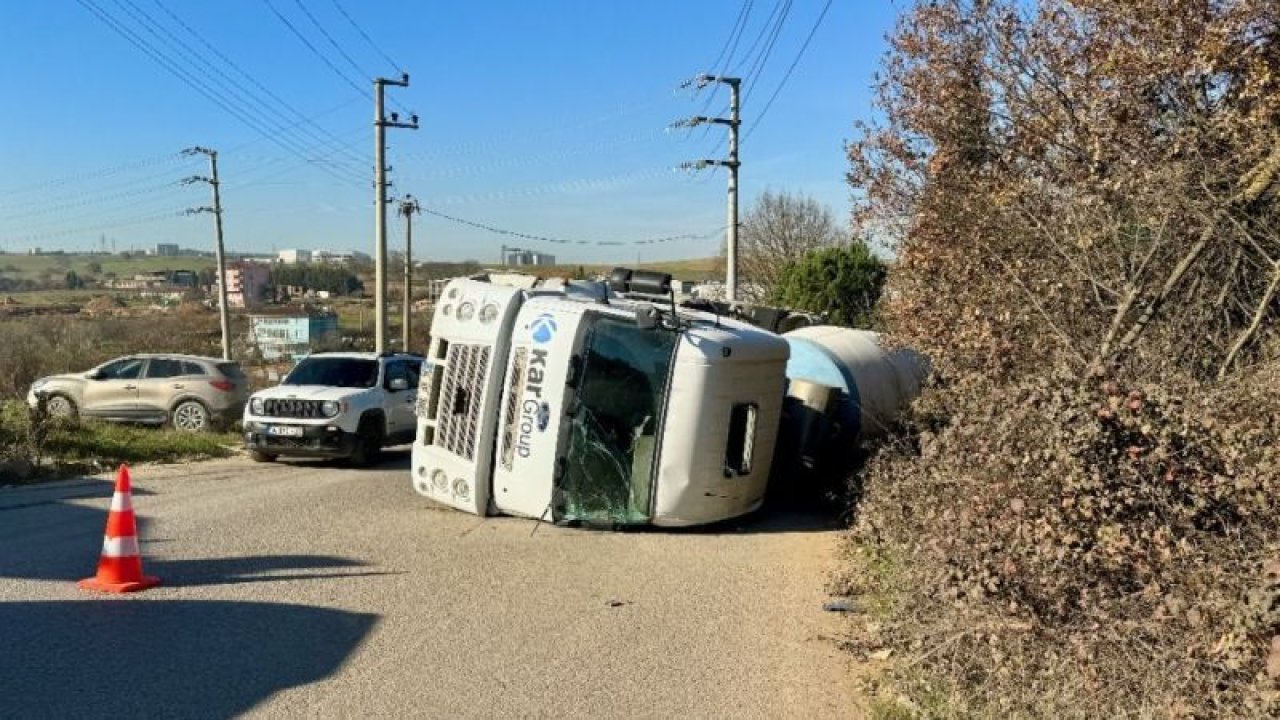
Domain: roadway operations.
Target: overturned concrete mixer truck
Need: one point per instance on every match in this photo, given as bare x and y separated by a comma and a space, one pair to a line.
607, 404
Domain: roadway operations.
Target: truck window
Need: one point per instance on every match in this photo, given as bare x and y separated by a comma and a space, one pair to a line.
742, 440
613, 432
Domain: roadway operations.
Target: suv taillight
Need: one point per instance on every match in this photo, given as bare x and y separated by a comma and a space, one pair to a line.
223, 385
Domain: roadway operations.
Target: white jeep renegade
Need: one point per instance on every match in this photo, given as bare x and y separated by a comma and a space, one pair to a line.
336, 405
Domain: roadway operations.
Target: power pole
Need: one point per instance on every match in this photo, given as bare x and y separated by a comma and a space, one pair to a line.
223, 312
380, 125
408, 207
734, 121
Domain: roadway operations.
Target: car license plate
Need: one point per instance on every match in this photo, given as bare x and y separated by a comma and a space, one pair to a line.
285, 430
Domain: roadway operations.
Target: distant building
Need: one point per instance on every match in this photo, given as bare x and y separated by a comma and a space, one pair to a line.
289, 336
519, 257
339, 256
168, 250
247, 284
294, 256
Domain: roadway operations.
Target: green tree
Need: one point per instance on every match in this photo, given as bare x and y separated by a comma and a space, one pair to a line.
841, 282
73, 280
780, 228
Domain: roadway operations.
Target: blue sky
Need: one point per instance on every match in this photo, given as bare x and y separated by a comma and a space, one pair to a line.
547, 118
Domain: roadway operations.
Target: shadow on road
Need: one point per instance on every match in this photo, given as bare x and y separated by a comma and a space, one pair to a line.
139, 658
393, 458
255, 568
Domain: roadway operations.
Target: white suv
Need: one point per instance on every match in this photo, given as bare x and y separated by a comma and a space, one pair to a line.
336, 405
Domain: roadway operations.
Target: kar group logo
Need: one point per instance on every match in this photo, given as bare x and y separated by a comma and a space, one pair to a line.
544, 328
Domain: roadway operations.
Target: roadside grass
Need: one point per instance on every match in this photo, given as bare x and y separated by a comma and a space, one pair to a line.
33, 452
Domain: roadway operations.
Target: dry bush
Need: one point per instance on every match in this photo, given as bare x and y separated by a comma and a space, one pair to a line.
1053, 548
1084, 197
35, 347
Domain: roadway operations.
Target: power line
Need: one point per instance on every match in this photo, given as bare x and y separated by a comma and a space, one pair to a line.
191, 81
764, 29
359, 70
304, 119
90, 174
563, 241
757, 68
366, 37
324, 58
731, 45
786, 76
246, 100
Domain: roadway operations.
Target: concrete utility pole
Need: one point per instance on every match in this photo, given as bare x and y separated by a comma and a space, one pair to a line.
408, 207
380, 125
734, 121
223, 311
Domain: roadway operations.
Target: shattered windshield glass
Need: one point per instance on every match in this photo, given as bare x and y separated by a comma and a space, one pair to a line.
614, 424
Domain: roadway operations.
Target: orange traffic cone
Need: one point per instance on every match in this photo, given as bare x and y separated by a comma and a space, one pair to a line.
120, 566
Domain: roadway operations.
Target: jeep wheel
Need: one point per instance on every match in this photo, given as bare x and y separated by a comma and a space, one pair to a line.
259, 456
368, 443
191, 416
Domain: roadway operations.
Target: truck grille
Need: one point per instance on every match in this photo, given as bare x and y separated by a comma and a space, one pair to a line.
461, 395
292, 408
509, 425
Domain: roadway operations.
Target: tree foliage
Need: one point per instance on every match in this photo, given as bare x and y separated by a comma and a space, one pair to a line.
1084, 199
778, 229
843, 283
332, 278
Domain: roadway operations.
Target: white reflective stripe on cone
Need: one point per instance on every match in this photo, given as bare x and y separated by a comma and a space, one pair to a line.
121, 502
120, 547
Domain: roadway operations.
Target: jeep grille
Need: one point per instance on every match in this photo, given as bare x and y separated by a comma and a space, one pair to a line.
292, 408
461, 395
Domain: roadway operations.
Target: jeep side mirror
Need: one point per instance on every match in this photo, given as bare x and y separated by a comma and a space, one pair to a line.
398, 384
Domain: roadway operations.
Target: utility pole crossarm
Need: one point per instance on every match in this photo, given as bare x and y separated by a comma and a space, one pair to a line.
380, 125
223, 311
733, 122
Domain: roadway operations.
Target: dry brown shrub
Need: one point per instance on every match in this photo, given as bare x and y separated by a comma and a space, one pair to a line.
1080, 548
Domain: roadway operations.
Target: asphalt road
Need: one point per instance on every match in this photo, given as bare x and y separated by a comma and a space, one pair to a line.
313, 590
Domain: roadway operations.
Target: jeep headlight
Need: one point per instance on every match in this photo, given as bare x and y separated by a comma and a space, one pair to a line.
331, 408
255, 406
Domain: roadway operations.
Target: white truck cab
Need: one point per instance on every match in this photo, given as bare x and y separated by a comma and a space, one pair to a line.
599, 411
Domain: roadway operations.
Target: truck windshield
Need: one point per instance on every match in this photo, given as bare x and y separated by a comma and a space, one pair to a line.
614, 424
335, 372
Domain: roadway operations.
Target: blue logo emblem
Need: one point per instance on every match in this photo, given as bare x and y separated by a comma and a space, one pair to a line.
544, 417
544, 327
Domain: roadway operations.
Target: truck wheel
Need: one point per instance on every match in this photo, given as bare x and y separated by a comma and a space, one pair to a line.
368, 443
259, 456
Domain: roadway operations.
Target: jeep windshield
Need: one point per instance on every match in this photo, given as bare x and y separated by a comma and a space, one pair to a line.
614, 424
335, 372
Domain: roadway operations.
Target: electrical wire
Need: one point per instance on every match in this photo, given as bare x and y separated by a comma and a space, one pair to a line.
359, 70
563, 241
247, 101
757, 68
189, 80
303, 119
366, 37
786, 76
324, 58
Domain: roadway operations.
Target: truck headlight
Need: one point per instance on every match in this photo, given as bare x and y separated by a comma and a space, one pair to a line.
255, 406
466, 311
331, 408
440, 480
488, 313
461, 488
